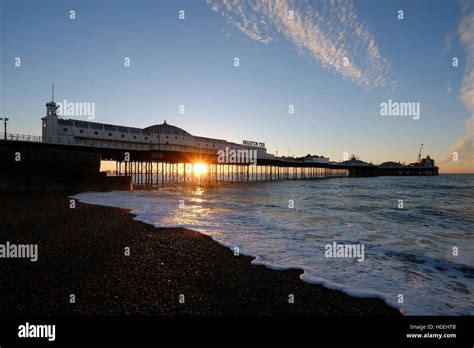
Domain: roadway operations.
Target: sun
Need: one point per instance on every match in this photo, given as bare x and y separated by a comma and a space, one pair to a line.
200, 168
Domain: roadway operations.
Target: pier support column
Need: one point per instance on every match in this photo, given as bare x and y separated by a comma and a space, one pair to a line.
162, 174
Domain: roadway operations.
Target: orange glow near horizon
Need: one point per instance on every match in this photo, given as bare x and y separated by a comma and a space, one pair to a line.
200, 169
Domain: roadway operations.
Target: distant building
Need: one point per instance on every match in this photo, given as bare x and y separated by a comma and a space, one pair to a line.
158, 137
425, 162
315, 159
390, 165
355, 162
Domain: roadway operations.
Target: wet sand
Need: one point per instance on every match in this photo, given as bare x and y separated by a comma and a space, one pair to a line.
82, 252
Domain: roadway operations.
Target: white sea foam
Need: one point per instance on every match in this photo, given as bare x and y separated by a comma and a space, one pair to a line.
407, 251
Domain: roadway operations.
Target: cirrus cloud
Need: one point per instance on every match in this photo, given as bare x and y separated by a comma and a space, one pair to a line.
330, 33
464, 147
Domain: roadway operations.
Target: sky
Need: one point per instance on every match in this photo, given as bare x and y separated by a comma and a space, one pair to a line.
334, 62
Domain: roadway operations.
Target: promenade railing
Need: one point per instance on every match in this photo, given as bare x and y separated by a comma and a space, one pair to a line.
20, 137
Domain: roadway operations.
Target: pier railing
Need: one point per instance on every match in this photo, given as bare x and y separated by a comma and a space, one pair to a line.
96, 143
20, 137
157, 164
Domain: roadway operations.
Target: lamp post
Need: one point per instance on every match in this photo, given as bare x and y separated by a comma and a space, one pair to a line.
5, 120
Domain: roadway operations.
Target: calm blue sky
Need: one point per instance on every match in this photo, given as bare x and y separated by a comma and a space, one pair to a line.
190, 62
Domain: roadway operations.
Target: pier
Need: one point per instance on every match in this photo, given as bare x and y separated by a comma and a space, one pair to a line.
71, 151
30, 158
155, 173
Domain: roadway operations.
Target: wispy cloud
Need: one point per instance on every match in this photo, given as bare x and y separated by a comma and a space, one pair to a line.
330, 32
465, 146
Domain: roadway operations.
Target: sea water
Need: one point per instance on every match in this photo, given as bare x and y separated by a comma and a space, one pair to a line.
423, 251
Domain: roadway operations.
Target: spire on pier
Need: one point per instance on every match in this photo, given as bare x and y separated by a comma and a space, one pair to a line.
51, 107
